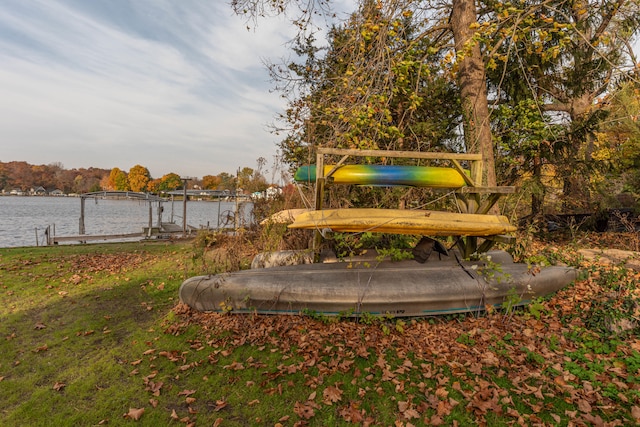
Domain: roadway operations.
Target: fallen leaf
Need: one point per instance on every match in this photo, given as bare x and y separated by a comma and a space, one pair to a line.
134, 413
39, 326
58, 386
154, 387
635, 412
410, 414
220, 405
436, 420
303, 410
352, 413
331, 395
584, 406
217, 422
490, 359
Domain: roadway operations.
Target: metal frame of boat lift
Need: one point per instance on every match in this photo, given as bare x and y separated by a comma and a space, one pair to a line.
472, 199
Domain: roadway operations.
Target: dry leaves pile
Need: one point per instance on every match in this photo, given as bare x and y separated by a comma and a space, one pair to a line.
112, 263
514, 366
559, 361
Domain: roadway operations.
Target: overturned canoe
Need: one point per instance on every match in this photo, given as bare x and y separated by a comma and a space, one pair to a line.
404, 221
405, 288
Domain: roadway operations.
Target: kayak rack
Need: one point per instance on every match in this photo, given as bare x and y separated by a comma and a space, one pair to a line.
472, 198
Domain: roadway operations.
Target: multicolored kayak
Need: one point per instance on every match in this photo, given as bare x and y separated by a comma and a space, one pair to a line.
415, 176
403, 221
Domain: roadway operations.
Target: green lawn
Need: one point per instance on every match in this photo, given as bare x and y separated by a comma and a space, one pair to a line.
93, 334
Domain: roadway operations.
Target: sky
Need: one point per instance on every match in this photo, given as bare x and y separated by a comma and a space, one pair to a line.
175, 86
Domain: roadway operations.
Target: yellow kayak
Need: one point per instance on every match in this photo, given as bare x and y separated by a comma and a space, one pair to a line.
402, 221
286, 216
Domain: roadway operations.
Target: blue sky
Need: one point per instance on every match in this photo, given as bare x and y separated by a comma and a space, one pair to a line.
176, 86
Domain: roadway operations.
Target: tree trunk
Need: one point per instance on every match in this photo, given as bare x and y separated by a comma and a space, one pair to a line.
473, 88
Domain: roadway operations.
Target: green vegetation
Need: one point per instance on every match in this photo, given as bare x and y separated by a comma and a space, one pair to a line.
95, 334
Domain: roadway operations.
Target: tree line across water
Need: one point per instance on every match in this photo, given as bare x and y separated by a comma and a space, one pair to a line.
22, 176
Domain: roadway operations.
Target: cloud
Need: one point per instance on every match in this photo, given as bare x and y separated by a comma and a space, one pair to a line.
174, 86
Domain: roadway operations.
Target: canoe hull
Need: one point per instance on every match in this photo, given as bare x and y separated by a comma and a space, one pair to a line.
404, 288
402, 221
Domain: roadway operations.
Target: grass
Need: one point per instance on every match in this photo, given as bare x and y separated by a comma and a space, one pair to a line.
74, 318
94, 334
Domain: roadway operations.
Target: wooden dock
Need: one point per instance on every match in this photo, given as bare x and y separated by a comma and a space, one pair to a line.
54, 240
155, 229
166, 230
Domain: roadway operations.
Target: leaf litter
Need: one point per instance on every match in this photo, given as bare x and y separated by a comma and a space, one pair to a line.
514, 367
485, 366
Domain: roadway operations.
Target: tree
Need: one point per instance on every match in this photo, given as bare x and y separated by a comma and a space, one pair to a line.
376, 87
118, 180
617, 142
138, 178
79, 184
4, 177
252, 180
227, 181
210, 182
559, 58
472, 83
169, 182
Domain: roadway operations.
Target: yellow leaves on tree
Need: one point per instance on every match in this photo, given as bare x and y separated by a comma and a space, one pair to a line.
139, 178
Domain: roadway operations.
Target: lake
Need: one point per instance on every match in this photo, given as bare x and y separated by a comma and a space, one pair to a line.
24, 219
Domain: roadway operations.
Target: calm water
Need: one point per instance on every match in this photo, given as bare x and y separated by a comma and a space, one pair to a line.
22, 218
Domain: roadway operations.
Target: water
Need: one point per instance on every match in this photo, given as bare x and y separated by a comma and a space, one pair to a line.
23, 220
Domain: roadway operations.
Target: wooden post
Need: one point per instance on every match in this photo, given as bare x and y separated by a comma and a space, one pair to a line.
81, 225
235, 214
160, 211
184, 208
218, 222
320, 181
150, 219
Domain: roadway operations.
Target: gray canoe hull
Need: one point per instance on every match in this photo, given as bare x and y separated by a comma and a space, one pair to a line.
405, 288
